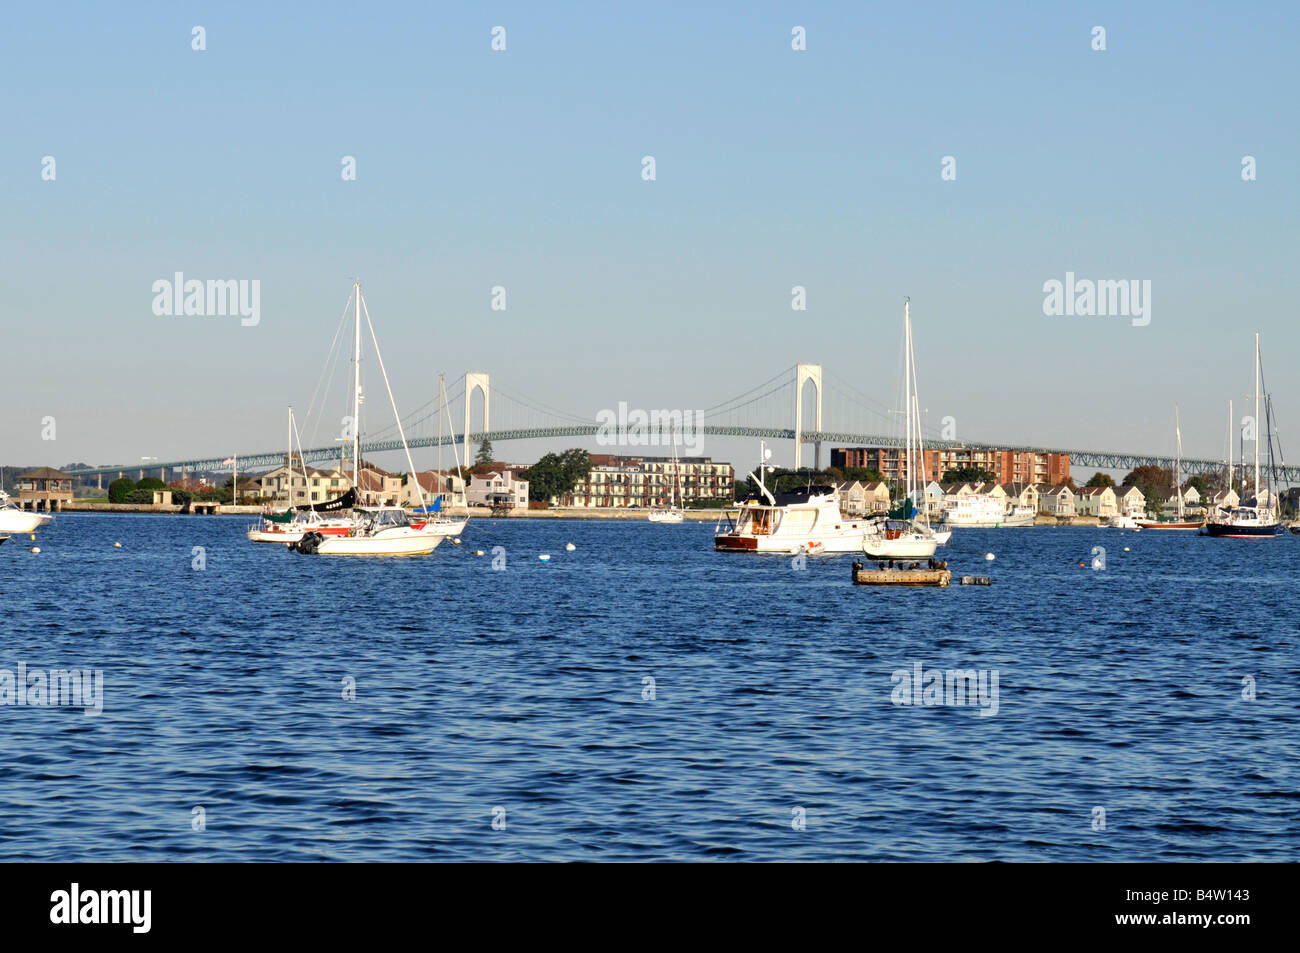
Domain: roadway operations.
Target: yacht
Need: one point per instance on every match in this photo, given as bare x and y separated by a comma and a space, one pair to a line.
805, 521
982, 511
377, 531
14, 520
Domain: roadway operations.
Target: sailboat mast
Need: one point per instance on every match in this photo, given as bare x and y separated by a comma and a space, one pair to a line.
907, 392
1229, 446
356, 387
1257, 417
1178, 462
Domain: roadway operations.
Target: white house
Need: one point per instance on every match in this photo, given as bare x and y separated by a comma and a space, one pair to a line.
498, 490
448, 486
1131, 501
1098, 501
1021, 494
1056, 500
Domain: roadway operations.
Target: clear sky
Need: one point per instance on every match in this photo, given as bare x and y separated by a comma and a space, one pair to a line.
774, 168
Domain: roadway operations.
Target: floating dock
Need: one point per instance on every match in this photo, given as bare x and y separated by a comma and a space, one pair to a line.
864, 576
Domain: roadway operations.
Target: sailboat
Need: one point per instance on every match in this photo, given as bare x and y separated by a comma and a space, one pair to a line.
1256, 517
436, 521
295, 522
380, 530
908, 537
674, 513
1179, 520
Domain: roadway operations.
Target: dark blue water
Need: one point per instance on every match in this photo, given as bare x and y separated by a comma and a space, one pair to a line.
522, 689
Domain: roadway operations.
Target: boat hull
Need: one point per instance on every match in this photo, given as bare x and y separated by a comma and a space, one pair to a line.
904, 547
1229, 531
1174, 524
786, 546
665, 516
14, 522
387, 543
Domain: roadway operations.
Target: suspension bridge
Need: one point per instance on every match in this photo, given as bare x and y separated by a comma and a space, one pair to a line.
776, 409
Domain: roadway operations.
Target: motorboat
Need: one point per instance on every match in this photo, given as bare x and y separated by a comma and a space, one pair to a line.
806, 521
1121, 521
15, 521
378, 531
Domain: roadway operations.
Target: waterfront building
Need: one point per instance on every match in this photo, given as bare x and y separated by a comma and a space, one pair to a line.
1007, 466
434, 484
618, 482
298, 487
498, 490
44, 488
1098, 501
1056, 500
1132, 502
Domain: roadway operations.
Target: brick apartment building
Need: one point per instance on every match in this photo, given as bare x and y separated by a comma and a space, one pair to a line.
1008, 466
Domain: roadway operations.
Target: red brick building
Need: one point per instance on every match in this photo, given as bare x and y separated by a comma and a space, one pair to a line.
1008, 466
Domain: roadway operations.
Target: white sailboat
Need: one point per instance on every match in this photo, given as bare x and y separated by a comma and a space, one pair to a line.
383, 530
909, 538
436, 521
292, 526
675, 503
1256, 517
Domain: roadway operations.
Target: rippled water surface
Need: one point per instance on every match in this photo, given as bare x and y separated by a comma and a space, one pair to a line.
522, 689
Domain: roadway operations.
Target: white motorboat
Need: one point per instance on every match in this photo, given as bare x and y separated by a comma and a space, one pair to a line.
665, 516
378, 531
807, 521
981, 511
1121, 521
15, 521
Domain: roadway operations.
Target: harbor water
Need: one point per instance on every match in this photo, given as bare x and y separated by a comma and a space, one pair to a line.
642, 697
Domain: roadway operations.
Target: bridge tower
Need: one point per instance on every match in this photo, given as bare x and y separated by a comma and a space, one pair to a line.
475, 380
802, 374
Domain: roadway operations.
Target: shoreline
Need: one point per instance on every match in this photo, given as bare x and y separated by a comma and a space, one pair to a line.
479, 513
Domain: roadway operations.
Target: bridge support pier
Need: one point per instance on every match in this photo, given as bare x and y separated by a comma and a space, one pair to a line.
802, 374
476, 381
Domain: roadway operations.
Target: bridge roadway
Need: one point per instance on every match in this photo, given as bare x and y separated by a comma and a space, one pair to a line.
1100, 459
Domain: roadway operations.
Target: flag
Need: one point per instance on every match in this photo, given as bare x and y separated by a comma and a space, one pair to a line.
228, 462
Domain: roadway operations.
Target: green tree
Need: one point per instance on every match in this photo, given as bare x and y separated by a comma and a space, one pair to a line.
119, 488
1100, 479
151, 483
484, 454
969, 475
1202, 487
557, 474
863, 474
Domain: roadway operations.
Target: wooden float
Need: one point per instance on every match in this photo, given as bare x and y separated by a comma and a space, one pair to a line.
900, 577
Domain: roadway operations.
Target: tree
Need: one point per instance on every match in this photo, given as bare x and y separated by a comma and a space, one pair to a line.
556, 474
1100, 479
119, 489
484, 454
862, 474
151, 483
969, 475
1202, 487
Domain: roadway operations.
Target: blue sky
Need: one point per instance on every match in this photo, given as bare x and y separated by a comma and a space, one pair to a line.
522, 169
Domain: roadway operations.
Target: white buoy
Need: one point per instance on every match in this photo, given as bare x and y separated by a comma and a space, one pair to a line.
36, 549
1125, 549
570, 547
478, 552
989, 557
117, 545
544, 556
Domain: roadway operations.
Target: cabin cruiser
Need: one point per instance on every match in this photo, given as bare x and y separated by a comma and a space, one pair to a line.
981, 511
1121, 521
14, 520
807, 521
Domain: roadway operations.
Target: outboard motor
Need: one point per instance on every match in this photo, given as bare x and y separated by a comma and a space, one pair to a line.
308, 544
